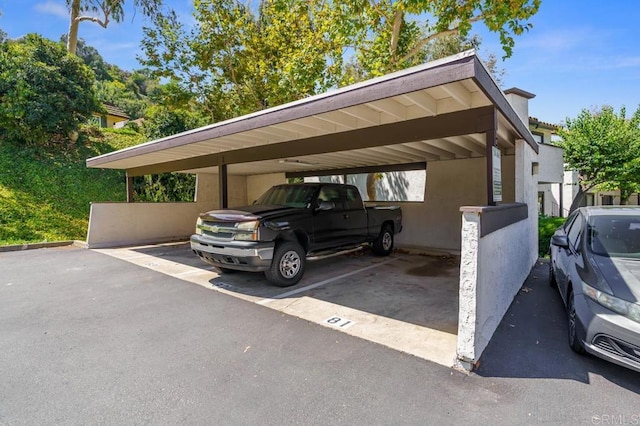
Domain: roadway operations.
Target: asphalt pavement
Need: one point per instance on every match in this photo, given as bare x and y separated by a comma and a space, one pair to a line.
89, 339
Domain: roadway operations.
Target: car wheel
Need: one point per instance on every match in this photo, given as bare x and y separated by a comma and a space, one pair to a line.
575, 332
383, 245
287, 266
552, 276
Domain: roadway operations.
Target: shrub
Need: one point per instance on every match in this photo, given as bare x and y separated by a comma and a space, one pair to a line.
546, 227
45, 93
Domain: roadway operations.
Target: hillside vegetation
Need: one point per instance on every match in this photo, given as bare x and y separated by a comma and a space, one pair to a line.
46, 196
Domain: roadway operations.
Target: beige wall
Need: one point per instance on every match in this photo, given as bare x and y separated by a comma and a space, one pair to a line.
435, 223
117, 224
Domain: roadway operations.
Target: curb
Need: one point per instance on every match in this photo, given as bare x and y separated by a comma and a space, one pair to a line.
34, 246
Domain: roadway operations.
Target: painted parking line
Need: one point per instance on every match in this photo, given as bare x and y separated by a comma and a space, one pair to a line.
321, 283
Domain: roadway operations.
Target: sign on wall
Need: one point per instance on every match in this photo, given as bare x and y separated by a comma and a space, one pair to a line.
497, 175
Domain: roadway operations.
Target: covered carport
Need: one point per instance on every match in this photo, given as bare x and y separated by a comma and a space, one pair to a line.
448, 116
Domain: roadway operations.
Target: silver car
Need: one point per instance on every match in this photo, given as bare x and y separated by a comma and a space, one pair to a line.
595, 263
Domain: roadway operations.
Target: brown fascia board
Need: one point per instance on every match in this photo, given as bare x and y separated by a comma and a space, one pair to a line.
488, 85
463, 122
459, 67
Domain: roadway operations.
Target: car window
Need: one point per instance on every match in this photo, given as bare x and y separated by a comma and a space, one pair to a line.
331, 193
353, 199
574, 232
569, 221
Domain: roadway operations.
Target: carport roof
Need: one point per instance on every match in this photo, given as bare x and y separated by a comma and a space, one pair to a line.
436, 111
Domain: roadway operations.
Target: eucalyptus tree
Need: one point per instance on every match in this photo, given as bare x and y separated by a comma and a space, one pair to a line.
101, 12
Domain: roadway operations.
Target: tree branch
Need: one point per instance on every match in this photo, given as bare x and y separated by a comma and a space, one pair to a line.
95, 19
426, 40
395, 33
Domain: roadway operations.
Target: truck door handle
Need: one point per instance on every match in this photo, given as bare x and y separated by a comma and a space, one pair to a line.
346, 216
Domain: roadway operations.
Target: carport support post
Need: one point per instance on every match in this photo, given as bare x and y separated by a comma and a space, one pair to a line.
222, 185
129, 188
492, 140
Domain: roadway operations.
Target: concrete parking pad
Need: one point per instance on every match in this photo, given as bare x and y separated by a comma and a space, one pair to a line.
405, 302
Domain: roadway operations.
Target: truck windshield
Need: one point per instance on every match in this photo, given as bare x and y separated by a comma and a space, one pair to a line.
288, 195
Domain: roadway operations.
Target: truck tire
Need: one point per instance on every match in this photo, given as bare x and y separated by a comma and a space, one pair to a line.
287, 266
383, 245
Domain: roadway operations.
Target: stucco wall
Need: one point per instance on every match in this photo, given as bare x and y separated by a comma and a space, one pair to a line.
493, 267
450, 184
491, 273
114, 224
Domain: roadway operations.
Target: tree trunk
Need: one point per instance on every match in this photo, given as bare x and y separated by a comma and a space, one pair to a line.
577, 200
625, 193
371, 186
72, 37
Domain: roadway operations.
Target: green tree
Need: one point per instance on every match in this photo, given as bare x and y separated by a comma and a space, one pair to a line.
44, 93
604, 148
167, 187
101, 12
389, 35
239, 61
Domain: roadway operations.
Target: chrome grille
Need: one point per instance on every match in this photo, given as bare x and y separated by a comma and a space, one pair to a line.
221, 230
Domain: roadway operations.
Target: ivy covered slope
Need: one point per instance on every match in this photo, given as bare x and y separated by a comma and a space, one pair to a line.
46, 197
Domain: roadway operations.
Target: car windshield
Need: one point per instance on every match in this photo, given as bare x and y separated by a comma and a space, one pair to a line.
288, 195
615, 236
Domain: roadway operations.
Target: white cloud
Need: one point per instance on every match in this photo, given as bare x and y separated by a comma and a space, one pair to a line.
52, 8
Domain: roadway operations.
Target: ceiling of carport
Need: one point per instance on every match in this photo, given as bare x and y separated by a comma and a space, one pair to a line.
357, 126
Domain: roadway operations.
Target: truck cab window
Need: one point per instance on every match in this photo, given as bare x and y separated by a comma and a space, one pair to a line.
332, 194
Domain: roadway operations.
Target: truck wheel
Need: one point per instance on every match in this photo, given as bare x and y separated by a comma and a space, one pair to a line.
383, 245
287, 266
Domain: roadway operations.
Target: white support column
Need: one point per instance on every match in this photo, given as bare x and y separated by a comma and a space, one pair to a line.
467, 313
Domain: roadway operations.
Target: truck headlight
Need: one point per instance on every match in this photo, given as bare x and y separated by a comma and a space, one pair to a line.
198, 226
247, 231
622, 307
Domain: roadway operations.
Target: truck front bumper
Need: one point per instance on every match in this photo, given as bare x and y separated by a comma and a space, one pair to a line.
252, 256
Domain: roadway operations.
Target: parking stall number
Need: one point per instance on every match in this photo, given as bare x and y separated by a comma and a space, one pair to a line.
339, 322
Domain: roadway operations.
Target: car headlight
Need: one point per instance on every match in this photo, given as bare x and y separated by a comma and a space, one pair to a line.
198, 226
622, 307
247, 231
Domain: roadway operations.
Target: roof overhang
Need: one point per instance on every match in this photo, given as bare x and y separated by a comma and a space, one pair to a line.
436, 111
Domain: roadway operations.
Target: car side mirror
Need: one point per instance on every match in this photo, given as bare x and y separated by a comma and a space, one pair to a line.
325, 205
560, 240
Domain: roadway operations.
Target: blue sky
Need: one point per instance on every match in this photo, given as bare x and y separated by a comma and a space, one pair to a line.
579, 54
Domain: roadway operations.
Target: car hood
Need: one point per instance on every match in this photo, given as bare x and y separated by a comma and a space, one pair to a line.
246, 213
622, 275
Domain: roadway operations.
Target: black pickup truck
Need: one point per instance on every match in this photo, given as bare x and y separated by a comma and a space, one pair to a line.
290, 224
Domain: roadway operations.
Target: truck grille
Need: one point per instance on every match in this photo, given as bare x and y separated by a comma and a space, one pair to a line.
221, 230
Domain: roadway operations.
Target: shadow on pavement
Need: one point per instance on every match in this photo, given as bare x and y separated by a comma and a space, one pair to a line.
531, 341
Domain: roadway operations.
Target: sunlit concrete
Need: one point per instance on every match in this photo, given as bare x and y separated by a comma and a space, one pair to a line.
405, 302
